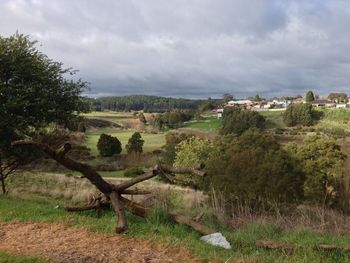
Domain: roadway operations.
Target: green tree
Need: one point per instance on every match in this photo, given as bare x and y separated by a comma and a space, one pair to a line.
135, 143
253, 168
108, 145
309, 96
172, 139
238, 121
299, 114
193, 151
322, 162
34, 91
227, 97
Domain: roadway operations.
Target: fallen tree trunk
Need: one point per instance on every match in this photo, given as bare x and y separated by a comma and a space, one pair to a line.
192, 223
113, 193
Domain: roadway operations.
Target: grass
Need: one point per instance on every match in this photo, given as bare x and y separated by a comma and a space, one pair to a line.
335, 118
10, 258
152, 141
159, 228
208, 124
274, 119
115, 117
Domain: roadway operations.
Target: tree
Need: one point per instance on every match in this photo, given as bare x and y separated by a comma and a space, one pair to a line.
309, 96
227, 97
322, 162
135, 143
34, 92
338, 97
108, 145
238, 121
299, 114
193, 151
254, 169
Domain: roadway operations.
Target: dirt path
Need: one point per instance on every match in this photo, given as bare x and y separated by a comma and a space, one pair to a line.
59, 243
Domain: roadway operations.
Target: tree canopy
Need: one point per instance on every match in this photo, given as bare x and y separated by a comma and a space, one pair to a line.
34, 90
299, 114
309, 96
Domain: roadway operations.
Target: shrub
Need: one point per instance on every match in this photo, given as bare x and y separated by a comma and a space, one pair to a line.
238, 121
108, 145
172, 139
253, 168
135, 143
322, 162
299, 114
193, 151
133, 171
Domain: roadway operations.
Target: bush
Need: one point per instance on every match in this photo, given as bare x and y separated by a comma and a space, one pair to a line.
253, 168
108, 145
133, 171
299, 114
135, 143
238, 121
172, 139
322, 162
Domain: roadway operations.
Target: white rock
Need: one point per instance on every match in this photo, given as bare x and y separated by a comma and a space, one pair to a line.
216, 239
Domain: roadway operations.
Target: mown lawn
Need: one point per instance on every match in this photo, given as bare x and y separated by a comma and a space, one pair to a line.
115, 117
152, 141
208, 124
159, 228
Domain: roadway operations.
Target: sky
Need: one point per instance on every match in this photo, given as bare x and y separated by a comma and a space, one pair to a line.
192, 48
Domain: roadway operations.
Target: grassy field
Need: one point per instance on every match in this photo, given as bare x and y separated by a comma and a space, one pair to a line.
335, 118
274, 119
116, 117
208, 124
152, 141
159, 228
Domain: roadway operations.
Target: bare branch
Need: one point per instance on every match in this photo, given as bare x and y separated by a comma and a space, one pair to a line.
135, 192
181, 170
138, 179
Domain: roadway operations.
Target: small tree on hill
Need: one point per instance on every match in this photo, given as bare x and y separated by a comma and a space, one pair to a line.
299, 114
238, 121
108, 145
309, 96
135, 143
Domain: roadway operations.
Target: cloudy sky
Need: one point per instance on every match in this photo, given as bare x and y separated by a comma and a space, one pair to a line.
192, 48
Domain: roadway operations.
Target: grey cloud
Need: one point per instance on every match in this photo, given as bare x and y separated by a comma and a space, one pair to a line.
196, 48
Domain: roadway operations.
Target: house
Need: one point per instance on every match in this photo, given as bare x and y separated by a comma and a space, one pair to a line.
323, 103
219, 112
239, 103
341, 106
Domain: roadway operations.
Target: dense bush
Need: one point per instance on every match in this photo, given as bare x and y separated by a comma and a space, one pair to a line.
322, 162
135, 143
172, 119
172, 139
193, 151
133, 171
238, 121
299, 114
254, 169
108, 145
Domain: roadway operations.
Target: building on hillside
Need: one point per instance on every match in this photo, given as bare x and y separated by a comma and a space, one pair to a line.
323, 103
341, 105
219, 112
298, 101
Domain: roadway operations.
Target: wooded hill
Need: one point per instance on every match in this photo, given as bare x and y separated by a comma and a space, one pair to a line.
142, 102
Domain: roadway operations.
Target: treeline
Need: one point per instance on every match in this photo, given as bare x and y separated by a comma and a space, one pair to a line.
142, 102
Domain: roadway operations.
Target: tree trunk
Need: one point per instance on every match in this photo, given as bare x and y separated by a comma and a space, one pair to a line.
3, 185
118, 207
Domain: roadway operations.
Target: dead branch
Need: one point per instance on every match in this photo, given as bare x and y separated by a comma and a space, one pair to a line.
192, 223
135, 192
273, 244
182, 170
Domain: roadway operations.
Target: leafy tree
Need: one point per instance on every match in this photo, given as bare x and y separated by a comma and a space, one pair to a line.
238, 121
309, 96
193, 151
207, 105
172, 139
34, 91
253, 168
227, 97
108, 145
135, 143
322, 162
299, 114
339, 97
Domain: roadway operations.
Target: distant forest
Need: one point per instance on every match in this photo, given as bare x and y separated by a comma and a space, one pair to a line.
143, 102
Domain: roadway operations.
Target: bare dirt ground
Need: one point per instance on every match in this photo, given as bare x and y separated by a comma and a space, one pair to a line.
58, 243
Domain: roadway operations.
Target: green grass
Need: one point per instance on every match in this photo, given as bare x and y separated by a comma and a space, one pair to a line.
10, 258
274, 119
152, 141
159, 228
335, 118
208, 124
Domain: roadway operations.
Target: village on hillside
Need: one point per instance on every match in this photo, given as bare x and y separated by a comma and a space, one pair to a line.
333, 100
